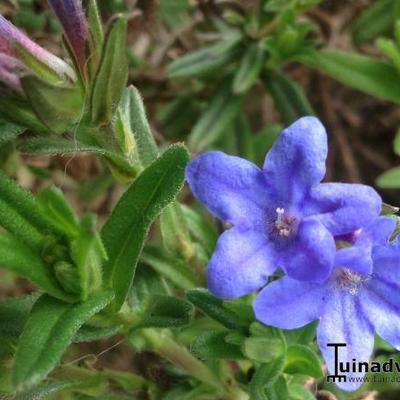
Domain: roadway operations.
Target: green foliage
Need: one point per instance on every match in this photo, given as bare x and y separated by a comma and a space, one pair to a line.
126, 229
50, 328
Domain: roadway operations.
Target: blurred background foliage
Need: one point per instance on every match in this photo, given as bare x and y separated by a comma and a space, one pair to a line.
230, 74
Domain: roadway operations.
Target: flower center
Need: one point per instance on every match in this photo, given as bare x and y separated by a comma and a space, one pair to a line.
285, 223
348, 280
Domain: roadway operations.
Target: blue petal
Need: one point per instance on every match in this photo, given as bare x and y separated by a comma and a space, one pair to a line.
310, 256
356, 258
377, 232
343, 207
232, 188
288, 304
386, 260
380, 301
241, 263
296, 161
344, 322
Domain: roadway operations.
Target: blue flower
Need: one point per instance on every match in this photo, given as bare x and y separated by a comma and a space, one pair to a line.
361, 297
282, 215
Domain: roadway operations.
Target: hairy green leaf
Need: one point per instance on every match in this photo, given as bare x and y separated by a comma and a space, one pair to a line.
390, 179
50, 328
126, 229
302, 360
214, 308
112, 74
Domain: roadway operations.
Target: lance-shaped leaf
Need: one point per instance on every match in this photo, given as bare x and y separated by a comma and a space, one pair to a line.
364, 73
59, 146
217, 118
376, 20
19, 213
45, 101
50, 328
96, 35
72, 17
249, 68
22, 260
288, 96
126, 229
34, 56
9, 132
112, 74
206, 60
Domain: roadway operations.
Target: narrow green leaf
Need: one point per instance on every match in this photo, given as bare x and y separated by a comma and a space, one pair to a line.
299, 392
212, 345
214, 308
390, 179
137, 139
22, 260
289, 98
302, 360
303, 335
58, 146
265, 376
376, 20
173, 269
89, 333
278, 390
249, 68
9, 132
165, 312
126, 229
263, 349
206, 60
112, 74
56, 209
50, 328
45, 100
217, 118
96, 32
19, 213
364, 73
43, 391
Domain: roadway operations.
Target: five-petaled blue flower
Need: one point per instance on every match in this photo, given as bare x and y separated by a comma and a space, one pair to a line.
361, 297
282, 215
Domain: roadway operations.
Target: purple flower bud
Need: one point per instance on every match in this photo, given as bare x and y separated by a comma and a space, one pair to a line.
11, 35
72, 17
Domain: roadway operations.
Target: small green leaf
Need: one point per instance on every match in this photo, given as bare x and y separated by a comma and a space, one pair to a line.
289, 98
214, 308
126, 229
50, 328
302, 360
135, 134
249, 68
90, 333
390, 179
172, 268
212, 345
165, 312
96, 39
217, 118
22, 260
263, 349
376, 20
58, 146
56, 209
206, 60
299, 392
303, 335
9, 132
364, 73
43, 391
278, 390
265, 376
112, 74
44, 98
